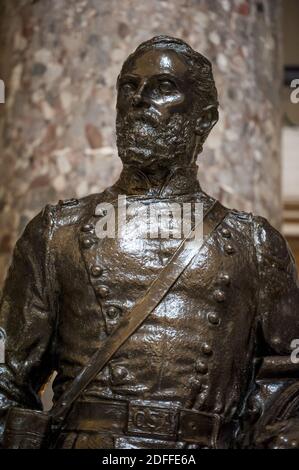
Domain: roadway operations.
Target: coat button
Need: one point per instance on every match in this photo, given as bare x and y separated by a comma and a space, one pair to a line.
229, 249
294, 444
87, 228
87, 242
196, 382
119, 373
224, 277
96, 271
201, 367
225, 233
219, 295
213, 318
282, 439
103, 291
112, 312
206, 349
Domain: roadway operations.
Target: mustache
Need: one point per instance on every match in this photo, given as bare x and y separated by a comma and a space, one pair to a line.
145, 116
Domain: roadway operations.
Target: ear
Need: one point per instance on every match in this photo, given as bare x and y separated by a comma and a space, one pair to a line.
207, 120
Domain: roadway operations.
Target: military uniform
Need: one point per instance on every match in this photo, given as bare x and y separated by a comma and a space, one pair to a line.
67, 289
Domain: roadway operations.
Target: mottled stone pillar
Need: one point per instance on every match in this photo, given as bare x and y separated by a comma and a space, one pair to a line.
60, 61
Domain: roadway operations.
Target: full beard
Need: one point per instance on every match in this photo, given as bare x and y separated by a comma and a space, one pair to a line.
145, 142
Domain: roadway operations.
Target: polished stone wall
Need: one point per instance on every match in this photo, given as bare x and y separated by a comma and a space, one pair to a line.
60, 60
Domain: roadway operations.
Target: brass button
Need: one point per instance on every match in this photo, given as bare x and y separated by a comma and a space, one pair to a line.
219, 295
87, 228
206, 349
119, 372
229, 249
201, 367
96, 271
225, 233
112, 312
87, 242
224, 277
213, 318
102, 291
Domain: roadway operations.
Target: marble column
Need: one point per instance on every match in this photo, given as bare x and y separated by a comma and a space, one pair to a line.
60, 61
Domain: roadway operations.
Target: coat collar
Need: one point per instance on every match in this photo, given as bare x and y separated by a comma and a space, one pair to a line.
178, 182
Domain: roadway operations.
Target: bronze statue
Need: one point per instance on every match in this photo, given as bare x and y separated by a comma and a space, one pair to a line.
199, 359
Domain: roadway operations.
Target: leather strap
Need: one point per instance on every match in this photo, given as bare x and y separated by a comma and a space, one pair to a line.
143, 418
134, 318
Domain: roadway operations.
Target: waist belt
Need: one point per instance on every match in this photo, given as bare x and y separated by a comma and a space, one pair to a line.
147, 419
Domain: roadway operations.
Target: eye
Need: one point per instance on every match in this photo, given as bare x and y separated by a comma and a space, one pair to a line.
166, 86
128, 87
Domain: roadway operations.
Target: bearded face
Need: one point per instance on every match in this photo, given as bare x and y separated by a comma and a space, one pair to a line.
155, 123
144, 139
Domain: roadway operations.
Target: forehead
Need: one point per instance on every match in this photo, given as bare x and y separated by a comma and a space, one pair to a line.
157, 61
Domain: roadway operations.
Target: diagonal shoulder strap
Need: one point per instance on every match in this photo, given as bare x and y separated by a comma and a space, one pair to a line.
133, 319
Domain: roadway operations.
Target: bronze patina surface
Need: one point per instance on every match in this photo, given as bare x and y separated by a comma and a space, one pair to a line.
211, 365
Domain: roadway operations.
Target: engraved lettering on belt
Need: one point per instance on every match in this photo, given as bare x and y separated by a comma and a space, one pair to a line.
145, 419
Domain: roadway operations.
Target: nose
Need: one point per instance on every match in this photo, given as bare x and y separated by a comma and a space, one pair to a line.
139, 98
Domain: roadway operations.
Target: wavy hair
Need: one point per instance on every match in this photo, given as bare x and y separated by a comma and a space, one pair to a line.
200, 68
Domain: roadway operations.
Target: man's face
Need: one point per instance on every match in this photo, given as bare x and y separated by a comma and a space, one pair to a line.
154, 110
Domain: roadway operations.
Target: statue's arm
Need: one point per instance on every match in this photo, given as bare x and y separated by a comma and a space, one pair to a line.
27, 315
278, 316
278, 307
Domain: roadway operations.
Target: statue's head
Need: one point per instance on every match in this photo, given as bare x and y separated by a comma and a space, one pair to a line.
166, 104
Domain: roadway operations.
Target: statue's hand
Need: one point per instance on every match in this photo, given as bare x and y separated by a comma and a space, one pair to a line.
281, 435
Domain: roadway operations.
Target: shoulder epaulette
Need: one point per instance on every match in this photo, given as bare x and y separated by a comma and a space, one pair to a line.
68, 202
242, 215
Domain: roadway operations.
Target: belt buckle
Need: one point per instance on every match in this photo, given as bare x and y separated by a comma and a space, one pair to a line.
152, 420
199, 427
